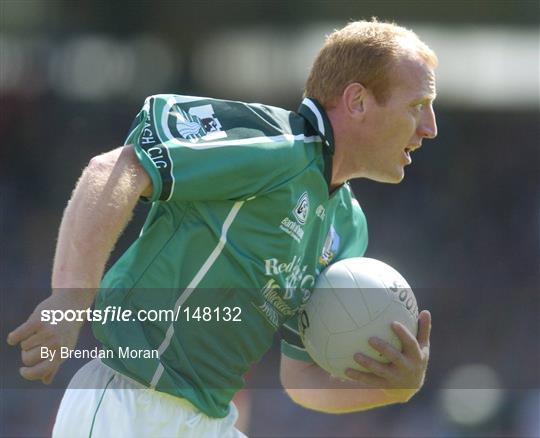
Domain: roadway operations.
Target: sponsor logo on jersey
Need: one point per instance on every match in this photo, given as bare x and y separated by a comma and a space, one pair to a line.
294, 228
275, 308
270, 314
198, 123
330, 247
293, 276
287, 289
301, 210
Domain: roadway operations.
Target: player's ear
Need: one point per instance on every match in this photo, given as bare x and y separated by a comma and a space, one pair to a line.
354, 98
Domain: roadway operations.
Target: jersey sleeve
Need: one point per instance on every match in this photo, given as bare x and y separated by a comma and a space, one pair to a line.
291, 343
207, 149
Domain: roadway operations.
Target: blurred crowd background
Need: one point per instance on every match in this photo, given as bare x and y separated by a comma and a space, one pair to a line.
463, 227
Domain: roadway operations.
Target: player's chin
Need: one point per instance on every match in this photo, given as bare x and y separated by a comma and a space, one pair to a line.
399, 177
392, 176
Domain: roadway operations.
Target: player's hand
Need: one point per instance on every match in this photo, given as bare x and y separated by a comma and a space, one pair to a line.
34, 334
404, 375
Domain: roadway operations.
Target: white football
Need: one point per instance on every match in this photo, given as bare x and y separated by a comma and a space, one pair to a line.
353, 300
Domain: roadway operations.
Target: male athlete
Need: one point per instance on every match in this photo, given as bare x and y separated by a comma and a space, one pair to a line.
249, 204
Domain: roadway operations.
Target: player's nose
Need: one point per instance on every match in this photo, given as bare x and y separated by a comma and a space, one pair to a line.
428, 124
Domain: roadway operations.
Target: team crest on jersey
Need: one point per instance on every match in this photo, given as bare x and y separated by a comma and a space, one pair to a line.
199, 122
302, 209
320, 212
330, 248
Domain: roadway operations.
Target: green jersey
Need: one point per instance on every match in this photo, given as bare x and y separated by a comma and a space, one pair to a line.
241, 224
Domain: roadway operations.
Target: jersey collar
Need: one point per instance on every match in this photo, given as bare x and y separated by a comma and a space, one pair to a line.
315, 114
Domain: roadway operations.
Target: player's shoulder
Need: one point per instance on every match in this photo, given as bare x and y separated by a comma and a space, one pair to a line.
352, 223
349, 200
351, 211
274, 135
240, 118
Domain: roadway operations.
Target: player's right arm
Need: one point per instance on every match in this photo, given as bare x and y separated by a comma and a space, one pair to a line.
100, 207
310, 386
384, 383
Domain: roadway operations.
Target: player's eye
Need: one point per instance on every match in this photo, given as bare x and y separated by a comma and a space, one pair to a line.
419, 106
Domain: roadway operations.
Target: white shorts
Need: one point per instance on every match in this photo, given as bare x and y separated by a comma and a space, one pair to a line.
121, 407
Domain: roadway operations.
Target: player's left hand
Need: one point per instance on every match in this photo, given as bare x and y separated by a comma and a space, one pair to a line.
404, 375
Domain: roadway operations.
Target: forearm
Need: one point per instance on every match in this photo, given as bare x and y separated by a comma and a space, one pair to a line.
313, 388
100, 207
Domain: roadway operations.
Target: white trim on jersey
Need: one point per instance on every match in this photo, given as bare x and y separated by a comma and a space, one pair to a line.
179, 98
242, 141
320, 124
194, 283
288, 327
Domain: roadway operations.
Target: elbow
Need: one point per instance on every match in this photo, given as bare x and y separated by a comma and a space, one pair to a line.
307, 399
319, 401
122, 168
307, 395
296, 396
99, 165
311, 387
339, 401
